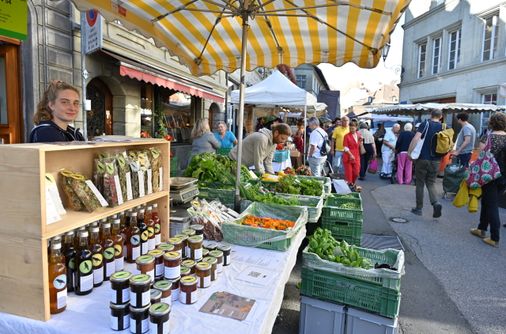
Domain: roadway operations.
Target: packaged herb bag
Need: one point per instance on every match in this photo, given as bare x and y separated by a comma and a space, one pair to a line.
145, 164
84, 190
124, 174
98, 173
72, 199
111, 183
157, 169
137, 175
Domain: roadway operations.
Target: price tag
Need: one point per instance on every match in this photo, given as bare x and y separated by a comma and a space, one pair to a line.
97, 193
129, 193
119, 193
140, 175
150, 181
160, 175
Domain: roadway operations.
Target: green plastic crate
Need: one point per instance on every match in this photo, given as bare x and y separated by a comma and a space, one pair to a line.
340, 208
223, 151
339, 289
381, 278
351, 231
225, 196
236, 233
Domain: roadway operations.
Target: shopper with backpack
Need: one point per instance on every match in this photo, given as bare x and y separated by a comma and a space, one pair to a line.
319, 147
427, 163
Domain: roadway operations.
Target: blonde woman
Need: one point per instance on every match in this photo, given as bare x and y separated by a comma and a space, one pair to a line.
203, 140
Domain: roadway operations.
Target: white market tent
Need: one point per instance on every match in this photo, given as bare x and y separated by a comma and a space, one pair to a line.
425, 108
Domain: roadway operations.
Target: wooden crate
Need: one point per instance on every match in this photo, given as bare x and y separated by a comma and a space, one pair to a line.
24, 232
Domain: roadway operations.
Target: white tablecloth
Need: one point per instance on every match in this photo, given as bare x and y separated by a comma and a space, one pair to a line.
90, 314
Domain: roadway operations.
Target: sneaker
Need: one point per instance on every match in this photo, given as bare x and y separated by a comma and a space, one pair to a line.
416, 211
491, 242
437, 210
478, 233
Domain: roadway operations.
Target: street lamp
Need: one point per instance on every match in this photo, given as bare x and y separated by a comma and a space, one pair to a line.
384, 51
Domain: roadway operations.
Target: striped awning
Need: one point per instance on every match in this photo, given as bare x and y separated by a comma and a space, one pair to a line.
206, 34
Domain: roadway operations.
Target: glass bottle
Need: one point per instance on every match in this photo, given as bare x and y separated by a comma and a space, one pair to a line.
97, 256
84, 266
57, 278
69, 251
158, 224
108, 250
144, 232
119, 243
133, 240
151, 228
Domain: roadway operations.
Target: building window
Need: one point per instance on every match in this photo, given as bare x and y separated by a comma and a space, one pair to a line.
301, 80
422, 50
454, 49
436, 55
489, 38
488, 98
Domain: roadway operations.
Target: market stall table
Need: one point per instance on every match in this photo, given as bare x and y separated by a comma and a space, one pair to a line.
90, 314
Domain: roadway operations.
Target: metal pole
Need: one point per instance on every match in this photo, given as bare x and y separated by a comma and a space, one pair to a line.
84, 75
305, 134
245, 28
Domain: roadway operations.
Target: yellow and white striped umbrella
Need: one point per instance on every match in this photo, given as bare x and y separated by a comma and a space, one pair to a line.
206, 35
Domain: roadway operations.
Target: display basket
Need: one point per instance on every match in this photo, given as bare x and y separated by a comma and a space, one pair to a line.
380, 278
344, 290
351, 231
342, 208
225, 196
281, 156
236, 233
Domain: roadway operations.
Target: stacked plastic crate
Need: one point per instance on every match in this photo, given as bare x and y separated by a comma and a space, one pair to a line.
343, 216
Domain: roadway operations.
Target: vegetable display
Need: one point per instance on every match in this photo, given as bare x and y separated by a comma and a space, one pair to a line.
290, 184
257, 193
271, 223
326, 247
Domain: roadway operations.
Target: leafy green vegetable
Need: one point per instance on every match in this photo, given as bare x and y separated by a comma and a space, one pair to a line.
256, 193
290, 184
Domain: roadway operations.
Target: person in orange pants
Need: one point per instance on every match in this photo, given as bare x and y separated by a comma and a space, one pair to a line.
351, 157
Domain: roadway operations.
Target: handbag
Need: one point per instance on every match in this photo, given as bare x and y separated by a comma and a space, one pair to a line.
373, 166
484, 169
415, 153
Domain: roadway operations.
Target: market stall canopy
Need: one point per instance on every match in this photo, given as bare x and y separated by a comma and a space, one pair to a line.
207, 35
276, 89
385, 118
425, 108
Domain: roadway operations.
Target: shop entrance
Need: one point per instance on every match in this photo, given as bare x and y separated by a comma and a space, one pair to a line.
100, 117
10, 106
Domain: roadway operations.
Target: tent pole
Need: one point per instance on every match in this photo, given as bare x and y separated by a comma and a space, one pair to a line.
305, 134
240, 121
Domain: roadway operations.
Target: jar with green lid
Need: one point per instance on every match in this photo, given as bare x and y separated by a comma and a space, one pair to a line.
188, 231
226, 249
188, 294
165, 247
159, 266
159, 314
175, 288
185, 271
195, 244
155, 296
139, 290
184, 249
219, 256
189, 264
210, 245
120, 316
172, 265
203, 273
205, 252
120, 285
178, 244
139, 319
146, 265
165, 286
214, 263
199, 229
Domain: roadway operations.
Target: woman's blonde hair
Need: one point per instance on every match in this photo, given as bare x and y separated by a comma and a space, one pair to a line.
201, 127
44, 113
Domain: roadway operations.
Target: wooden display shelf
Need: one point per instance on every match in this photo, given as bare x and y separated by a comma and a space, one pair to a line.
24, 233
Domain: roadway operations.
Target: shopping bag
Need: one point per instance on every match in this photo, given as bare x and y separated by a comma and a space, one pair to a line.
373, 166
415, 153
484, 169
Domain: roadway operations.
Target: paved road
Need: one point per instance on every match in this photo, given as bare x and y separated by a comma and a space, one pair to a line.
431, 301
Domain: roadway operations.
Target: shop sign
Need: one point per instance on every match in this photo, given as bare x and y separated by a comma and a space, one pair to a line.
92, 31
13, 18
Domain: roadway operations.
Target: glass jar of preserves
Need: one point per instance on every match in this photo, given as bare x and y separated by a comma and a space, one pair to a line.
159, 318
214, 263
199, 229
159, 266
175, 288
139, 322
185, 251
219, 256
188, 231
185, 271
120, 285
189, 264
203, 272
165, 286
195, 244
146, 265
165, 247
155, 296
178, 244
205, 252
172, 265
139, 290
210, 245
188, 294
120, 316
226, 249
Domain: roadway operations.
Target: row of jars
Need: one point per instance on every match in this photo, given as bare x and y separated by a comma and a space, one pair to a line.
83, 259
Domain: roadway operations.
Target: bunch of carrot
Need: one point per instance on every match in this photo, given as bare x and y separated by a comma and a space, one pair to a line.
265, 222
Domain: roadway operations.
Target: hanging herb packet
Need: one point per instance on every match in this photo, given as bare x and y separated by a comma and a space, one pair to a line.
124, 175
148, 174
111, 185
98, 173
156, 167
135, 169
84, 190
72, 199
